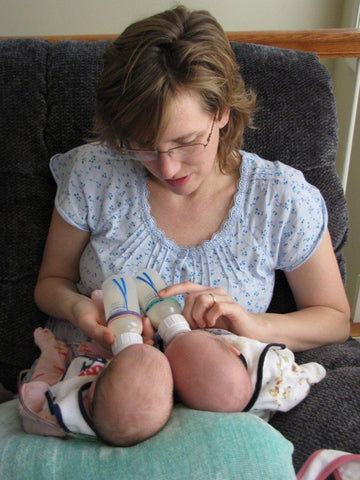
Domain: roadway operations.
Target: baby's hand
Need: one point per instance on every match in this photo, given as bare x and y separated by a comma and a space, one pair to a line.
148, 331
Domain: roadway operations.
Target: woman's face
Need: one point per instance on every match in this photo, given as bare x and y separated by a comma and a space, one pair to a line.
188, 124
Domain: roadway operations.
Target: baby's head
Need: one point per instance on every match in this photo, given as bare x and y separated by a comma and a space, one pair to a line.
133, 396
208, 373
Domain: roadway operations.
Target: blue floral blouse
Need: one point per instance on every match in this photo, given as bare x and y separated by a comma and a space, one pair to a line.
276, 222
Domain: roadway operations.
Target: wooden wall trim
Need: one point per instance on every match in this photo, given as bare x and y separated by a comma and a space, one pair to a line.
331, 43
327, 43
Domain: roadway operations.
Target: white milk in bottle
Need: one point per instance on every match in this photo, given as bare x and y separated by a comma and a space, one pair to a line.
122, 311
164, 313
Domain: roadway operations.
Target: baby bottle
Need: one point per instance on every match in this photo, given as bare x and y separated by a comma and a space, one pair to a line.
164, 313
122, 311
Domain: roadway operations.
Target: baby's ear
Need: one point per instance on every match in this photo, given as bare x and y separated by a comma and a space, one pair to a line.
88, 398
233, 349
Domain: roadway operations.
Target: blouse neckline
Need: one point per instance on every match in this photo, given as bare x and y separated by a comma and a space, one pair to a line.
217, 237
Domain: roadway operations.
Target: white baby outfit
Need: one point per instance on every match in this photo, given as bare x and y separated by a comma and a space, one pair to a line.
59, 409
278, 382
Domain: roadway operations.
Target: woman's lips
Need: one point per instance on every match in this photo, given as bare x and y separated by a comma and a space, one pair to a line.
178, 182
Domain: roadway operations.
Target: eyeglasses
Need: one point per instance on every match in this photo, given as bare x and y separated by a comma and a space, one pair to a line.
177, 153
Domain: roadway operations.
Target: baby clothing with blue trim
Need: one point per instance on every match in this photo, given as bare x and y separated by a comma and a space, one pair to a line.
59, 409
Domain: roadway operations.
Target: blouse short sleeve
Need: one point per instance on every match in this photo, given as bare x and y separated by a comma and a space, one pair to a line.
82, 176
304, 225
70, 197
289, 214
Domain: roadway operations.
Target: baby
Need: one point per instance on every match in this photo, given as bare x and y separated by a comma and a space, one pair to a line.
208, 373
132, 398
123, 401
216, 370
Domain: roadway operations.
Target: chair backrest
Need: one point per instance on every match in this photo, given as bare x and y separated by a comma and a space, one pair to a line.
47, 93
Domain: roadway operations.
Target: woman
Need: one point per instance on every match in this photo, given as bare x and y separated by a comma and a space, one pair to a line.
172, 104
168, 187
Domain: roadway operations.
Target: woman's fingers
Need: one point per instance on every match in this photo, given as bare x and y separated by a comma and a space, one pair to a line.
89, 317
97, 298
182, 288
198, 306
202, 306
99, 333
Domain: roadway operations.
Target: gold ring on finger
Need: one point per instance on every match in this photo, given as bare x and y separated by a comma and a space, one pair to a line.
213, 298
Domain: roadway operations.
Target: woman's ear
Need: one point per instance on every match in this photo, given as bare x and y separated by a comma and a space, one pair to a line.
223, 120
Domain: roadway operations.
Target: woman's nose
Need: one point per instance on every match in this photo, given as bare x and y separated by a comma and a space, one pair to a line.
167, 166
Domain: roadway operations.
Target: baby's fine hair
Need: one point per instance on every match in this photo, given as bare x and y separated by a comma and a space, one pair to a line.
155, 58
208, 374
133, 396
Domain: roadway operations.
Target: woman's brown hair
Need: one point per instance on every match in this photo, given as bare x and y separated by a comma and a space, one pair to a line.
156, 57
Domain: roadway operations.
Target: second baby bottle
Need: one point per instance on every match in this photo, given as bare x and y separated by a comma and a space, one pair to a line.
122, 311
164, 313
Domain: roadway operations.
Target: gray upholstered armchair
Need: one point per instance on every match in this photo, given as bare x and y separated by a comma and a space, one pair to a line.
46, 96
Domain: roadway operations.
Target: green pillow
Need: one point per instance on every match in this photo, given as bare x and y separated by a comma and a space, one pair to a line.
193, 446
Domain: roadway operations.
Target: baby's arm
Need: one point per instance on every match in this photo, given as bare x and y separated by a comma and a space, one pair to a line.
285, 383
54, 358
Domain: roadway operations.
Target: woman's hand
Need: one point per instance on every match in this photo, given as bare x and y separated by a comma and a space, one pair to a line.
89, 316
207, 307
322, 315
